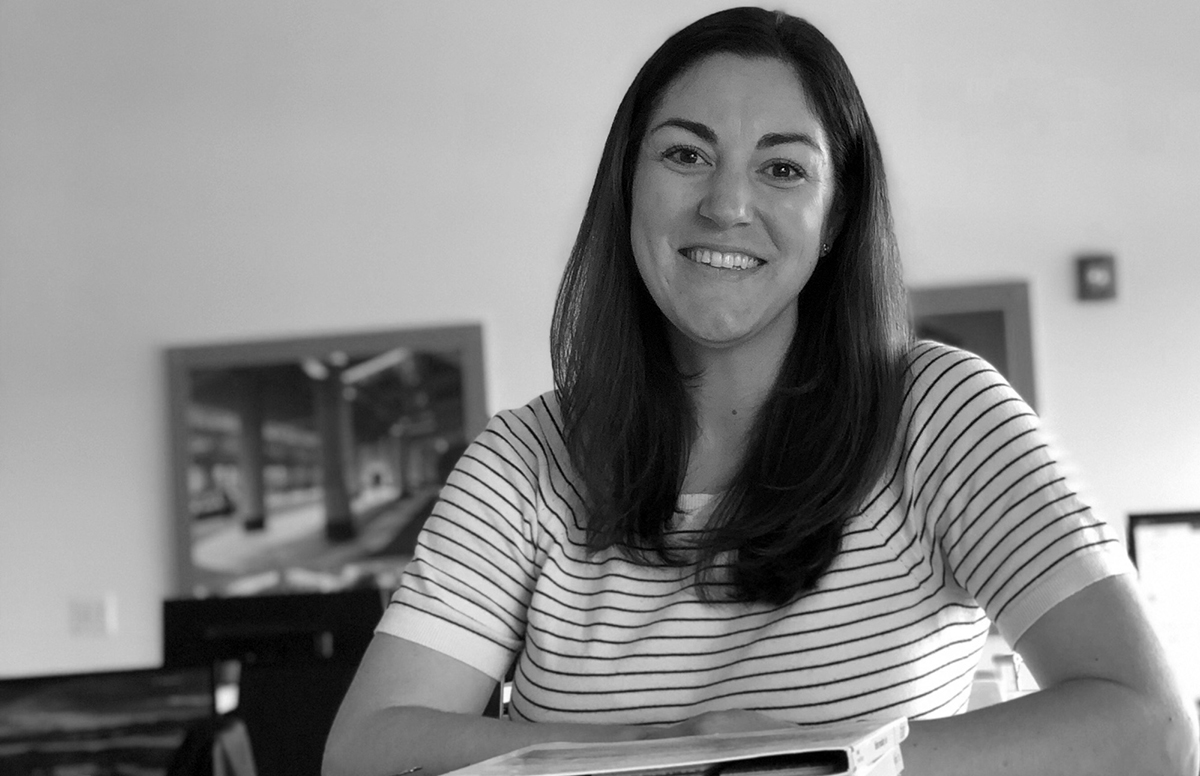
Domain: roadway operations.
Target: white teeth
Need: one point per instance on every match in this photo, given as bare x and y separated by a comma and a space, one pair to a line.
722, 260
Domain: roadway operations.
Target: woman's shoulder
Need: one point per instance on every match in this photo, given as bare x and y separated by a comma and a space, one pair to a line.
941, 370
544, 407
946, 385
538, 418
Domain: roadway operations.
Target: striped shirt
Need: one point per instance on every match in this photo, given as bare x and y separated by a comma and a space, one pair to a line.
971, 523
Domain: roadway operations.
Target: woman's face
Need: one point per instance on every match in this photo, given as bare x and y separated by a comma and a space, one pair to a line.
733, 185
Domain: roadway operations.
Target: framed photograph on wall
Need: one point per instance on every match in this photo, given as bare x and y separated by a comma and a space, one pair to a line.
310, 464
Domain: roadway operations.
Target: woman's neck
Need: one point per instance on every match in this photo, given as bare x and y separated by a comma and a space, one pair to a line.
731, 386
732, 380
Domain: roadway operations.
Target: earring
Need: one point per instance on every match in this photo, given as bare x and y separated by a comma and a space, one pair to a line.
824, 248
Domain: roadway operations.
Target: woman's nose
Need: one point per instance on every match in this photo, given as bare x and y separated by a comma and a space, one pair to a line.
728, 200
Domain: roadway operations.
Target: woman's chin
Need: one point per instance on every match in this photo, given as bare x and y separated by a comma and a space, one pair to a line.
721, 336
725, 332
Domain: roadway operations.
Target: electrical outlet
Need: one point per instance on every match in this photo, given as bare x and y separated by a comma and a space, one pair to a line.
92, 616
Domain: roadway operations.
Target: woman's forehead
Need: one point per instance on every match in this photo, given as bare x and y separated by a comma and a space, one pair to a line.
732, 89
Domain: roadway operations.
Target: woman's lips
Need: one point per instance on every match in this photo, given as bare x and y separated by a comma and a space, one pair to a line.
722, 259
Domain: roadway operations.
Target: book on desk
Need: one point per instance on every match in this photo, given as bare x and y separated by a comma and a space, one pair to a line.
858, 748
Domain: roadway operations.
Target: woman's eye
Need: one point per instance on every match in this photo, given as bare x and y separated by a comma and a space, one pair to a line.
683, 155
785, 171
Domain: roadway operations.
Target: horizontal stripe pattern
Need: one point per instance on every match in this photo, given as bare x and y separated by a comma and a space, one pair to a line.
972, 520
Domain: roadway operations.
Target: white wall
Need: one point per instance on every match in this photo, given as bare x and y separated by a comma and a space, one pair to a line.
193, 172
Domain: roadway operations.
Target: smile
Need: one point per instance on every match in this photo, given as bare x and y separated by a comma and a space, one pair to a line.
722, 260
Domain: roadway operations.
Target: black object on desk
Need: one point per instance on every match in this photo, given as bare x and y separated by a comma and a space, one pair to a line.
297, 654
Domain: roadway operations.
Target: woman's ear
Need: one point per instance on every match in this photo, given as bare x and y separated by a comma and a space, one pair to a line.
833, 223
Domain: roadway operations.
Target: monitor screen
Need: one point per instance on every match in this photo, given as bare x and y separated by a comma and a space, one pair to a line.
99, 724
1165, 547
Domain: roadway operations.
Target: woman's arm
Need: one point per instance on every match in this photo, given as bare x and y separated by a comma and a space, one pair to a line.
410, 706
1110, 704
996, 507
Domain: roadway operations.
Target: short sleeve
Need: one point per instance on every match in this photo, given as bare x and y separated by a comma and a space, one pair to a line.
993, 498
467, 589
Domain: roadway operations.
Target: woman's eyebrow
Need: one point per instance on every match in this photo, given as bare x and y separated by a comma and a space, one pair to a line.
769, 140
772, 139
702, 131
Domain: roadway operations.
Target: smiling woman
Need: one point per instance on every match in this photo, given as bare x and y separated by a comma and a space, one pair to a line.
753, 500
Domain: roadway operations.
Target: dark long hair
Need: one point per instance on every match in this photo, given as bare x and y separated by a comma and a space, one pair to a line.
824, 435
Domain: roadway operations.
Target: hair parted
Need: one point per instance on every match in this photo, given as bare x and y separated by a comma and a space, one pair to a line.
823, 437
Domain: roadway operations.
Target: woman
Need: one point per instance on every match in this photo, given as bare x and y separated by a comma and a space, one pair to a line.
752, 501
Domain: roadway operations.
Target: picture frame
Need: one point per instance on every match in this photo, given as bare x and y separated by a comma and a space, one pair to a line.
255, 423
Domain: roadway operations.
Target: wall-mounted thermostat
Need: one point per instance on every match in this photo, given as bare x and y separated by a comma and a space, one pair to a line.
1096, 276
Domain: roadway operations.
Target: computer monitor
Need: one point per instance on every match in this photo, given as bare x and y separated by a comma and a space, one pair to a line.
290, 628
296, 655
1165, 546
100, 723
